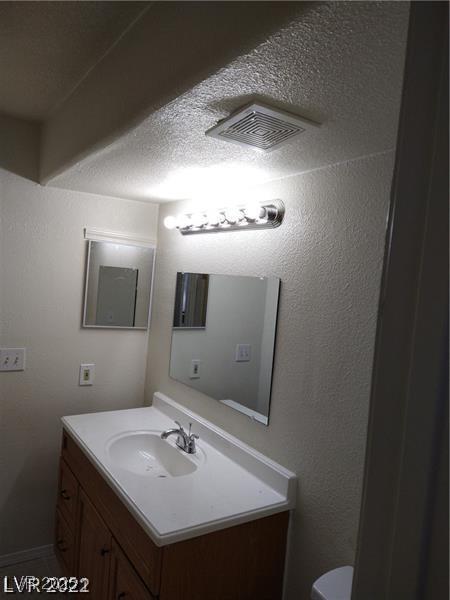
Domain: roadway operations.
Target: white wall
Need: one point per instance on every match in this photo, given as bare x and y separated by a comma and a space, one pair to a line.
328, 254
42, 257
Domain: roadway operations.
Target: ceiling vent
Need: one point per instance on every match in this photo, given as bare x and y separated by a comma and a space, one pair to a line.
260, 126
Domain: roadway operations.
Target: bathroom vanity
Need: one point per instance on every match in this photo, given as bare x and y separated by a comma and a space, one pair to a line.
142, 519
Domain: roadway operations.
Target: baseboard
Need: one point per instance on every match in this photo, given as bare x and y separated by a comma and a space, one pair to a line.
24, 555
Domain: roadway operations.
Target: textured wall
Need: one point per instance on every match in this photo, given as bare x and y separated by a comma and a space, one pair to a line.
42, 257
328, 254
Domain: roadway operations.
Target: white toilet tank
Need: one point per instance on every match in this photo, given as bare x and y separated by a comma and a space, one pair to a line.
334, 585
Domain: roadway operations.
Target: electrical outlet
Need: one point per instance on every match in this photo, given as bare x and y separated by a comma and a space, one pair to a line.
87, 374
12, 359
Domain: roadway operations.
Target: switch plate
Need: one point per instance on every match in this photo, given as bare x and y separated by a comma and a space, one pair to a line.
243, 353
87, 374
12, 359
194, 372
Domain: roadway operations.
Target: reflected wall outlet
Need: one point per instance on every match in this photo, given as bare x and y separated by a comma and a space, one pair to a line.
12, 359
87, 374
243, 353
194, 372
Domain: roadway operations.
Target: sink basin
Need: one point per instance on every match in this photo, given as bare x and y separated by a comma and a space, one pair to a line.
145, 453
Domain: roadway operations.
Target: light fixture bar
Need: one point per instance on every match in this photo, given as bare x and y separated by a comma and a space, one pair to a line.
255, 215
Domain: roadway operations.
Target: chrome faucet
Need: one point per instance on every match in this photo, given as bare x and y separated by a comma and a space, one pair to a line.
185, 441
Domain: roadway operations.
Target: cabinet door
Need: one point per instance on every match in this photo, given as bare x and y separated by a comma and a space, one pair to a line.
125, 583
94, 549
67, 494
64, 544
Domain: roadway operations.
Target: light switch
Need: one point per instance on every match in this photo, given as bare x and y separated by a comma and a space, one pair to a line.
87, 374
243, 353
12, 359
194, 372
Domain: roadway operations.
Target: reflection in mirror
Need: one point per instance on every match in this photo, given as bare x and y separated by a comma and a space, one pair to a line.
191, 297
118, 285
230, 356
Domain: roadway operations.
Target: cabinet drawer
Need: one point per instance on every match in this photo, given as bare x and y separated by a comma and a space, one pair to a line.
67, 494
143, 554
64, 544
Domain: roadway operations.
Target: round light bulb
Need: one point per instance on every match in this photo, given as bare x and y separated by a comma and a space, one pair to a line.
214, 219
170, 222
233, 215
183, 221
253, 211
263, 218
198, 220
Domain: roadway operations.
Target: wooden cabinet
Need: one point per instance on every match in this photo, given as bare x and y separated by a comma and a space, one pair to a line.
98, 538
144, 555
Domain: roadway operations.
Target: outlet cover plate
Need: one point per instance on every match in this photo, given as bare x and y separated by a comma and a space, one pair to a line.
87, 374
243, 353
12, 359
194, 372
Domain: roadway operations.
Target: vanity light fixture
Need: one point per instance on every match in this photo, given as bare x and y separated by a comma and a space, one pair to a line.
256, 215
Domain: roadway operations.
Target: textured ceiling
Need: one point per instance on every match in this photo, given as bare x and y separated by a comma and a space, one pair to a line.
340, 64
47, 47
169, 50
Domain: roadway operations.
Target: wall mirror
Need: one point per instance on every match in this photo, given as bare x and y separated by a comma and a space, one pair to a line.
223, 338
118, 285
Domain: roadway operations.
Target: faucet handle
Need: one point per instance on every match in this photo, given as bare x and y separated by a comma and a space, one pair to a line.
179, 425
192, 436
191, 449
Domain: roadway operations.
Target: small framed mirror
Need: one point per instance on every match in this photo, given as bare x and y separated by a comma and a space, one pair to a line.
118, 285
223, 338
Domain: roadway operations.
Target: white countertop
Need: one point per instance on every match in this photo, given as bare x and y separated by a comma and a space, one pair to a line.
233, 483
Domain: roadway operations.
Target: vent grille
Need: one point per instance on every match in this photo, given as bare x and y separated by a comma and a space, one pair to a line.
259, 126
